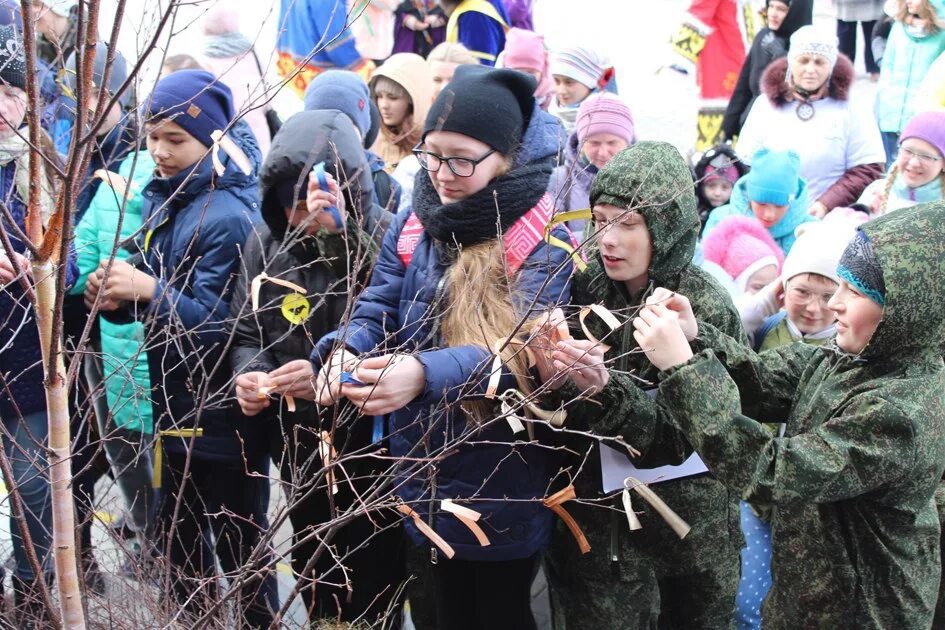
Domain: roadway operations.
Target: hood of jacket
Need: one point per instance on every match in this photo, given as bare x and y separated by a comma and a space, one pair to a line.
796, 214
412, 72
775, 86
193, 183
305, 140
653, 179
800, 13
910, 247
543, 139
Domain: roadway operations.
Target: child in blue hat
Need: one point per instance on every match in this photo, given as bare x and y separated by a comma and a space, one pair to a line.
196, 216
773, 192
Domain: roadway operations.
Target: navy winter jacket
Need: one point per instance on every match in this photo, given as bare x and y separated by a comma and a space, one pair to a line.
192, 243
21, 368
395, 312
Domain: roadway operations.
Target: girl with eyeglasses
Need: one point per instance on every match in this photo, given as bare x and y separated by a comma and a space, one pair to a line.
916, 176
457, 273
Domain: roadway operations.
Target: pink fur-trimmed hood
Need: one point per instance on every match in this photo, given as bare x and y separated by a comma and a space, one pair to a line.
775, 87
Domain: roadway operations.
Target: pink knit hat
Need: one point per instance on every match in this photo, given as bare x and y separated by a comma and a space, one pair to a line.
604, 113
526, 49
741, 246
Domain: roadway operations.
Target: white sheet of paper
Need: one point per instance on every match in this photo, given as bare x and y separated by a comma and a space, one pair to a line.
615, 467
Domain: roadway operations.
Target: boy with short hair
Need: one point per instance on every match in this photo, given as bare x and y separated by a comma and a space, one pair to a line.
195, 221
646, 225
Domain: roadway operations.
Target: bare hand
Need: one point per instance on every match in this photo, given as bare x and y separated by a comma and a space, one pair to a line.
11, 268
248, 394
661, 338
679, 304
391, 382
817, 209
92, 286
547, 332
125, 283
327, 384
435, 21
318, 201
583, 362
294, 379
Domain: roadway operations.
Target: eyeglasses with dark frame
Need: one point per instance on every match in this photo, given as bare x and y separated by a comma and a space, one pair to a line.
461, 167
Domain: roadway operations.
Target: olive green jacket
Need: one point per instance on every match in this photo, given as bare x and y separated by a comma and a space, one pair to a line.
855, 534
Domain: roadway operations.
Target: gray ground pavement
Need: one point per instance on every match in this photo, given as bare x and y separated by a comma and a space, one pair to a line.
635, 35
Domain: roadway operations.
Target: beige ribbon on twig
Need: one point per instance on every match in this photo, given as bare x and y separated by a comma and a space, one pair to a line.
606, 316
256, 285
672, 519
327, 450
223, 141
289, 400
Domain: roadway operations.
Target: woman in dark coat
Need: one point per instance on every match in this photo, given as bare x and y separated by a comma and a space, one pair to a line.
784, 17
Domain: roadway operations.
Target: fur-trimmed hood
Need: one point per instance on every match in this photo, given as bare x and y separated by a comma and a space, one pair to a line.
775, 87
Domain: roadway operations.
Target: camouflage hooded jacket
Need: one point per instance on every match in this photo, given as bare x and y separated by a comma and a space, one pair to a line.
855, 535
652, 179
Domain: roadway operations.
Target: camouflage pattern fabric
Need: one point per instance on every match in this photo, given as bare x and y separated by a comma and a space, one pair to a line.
626, 576
855, 533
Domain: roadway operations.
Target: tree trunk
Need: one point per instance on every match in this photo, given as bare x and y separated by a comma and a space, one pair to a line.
60, 463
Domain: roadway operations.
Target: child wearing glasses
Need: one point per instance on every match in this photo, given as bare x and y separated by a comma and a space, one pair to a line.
456, 274
916, 175
808, 282
850, 484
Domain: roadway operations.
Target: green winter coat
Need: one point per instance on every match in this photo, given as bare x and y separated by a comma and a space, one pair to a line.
855, 534
124, 362
652, 178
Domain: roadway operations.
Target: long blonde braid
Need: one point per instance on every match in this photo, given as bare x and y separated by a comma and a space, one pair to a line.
887, 189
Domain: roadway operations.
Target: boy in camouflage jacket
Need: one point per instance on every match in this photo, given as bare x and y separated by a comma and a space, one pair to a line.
641, 578
855, 534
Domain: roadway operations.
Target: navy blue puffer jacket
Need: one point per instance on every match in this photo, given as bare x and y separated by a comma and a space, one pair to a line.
195, 226
494, 474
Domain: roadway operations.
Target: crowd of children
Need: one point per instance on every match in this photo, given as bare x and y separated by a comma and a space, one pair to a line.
463, 312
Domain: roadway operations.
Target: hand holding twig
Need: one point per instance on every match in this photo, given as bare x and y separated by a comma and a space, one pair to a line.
680, 305
328, 382
248, 392
660, 336
294, 379
583, 362
390, 383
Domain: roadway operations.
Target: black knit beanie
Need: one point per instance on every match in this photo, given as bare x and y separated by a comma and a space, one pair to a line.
492, 106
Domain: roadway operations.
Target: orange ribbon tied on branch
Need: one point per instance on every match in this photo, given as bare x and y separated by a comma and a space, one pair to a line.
555, 503
426, 530
467, 517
